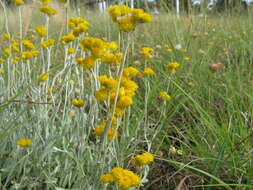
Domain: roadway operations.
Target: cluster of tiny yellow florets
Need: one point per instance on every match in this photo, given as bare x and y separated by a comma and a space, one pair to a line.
126, 90
127, 18
143, 159
98, 49
125, 179
112, 132
78, 25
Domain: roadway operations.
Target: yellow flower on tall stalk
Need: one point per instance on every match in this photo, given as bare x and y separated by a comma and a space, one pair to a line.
7, 52
28, 44
125, 179
130, 72
43, 77
19, 2
147, 52
87, 63
143, 159
71, 51
24, 142
29, 54
171, 67
108, 82
6, 36
2, 60
41, 31
101, 94
164, 95
15, 46
99, 130
148, 71
78, 102
47, 10
47, 43
127, 18
68, 38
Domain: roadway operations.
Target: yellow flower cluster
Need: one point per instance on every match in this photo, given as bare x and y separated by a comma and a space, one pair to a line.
112, 133
68, 38
143, 159
43, 77
87, 62
99, 49
148, 71
79, 25
28, 44
47, 43
41, 31
125, 179
126, 91
164, 95
29, 54
78, 102
127, 18
147, 52
24, 142
19, 2
171, 67
47, 10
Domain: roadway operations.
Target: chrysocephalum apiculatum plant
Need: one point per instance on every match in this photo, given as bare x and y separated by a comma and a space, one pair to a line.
87, 83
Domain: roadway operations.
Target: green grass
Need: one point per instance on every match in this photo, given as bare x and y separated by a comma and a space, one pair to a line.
210, 122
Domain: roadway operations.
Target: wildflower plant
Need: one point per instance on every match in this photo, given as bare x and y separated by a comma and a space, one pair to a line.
72, 92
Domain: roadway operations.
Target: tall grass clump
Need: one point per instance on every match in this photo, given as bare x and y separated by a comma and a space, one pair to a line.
68, 102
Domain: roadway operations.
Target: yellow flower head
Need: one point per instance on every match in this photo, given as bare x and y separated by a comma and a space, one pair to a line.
143, 159
148, 71
125, 179
43, 77
171, 67
24, 142
147, 52
125, 101
106, 178
68, 38
47, 43
7, 52
130, 72
87, 63
28, 54
99, 130
71, 51
28, 44
126, 25
6, 36
118, 11
47, 10
164, 95
41, 30
101, 95
2, 60
78, 102
15, 46
108, 82
19, 2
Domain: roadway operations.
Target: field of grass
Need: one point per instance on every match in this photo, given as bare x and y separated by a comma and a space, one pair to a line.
201, 136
